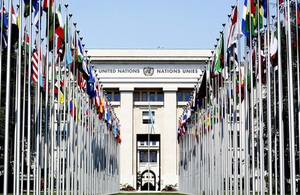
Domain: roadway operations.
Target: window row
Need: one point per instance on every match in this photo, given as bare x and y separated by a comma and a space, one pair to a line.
146, 96
144, 156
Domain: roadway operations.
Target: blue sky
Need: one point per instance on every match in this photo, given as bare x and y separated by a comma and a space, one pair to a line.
173, 24
150, 23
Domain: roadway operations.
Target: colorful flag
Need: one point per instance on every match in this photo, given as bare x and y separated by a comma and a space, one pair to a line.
151, 118
49, 9
60, 33
220, 61
273, 47
234, 29
36, 8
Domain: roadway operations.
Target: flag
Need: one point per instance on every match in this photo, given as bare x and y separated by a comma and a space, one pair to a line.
36, 8
264, 5
49, 9
26, 8
244, 19
34, 68
4, 35
234, 29
220, 61
60, 33
202, 90
273, 47
69, 57
232, 56
151, 118
15, 28
258, 14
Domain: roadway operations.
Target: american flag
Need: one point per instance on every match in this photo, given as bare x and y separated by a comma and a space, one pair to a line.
35, 62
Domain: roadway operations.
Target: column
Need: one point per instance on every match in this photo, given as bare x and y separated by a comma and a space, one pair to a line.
127, 146
168, 138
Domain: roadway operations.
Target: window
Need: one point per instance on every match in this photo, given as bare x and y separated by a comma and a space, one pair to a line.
142, 156
144, 97
136, 96
109, 96
160, 96
187, 95
153, 143
152, 96
179, 96
142, 143
113, 95
153, 157
146, 119
117, 96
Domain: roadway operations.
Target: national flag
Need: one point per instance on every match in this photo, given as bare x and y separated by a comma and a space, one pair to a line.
35, 65
26, 46
4, 18
69, 57
232, 56
244, 19
151, 118
60, 33
26, 8
274, 47
80, 55
36, 8
5, 26
264, 5
49, 9
234, 29
15, 28
202, 90
220, 61
258, 14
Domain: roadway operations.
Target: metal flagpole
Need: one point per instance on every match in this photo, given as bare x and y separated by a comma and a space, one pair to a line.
46, 109
29, 101
291, 107
252, 99
1, 44
269, 102
298, 72
7, 102
23, 117
18, 124
261, 144
148, 155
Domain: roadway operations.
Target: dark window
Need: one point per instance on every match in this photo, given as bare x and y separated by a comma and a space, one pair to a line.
142, 143
136, 96
144, 96
153, 157
153, 143
109, 96
117, 96
152, 96
179, 96
142, 156
160, 96
187, 96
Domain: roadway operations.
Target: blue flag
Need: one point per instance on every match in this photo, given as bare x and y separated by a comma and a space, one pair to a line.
151, 118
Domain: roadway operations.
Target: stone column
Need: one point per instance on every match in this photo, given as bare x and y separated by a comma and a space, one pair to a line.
168, 137
127, 146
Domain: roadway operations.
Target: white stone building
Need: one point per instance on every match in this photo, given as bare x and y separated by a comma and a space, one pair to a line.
133, 78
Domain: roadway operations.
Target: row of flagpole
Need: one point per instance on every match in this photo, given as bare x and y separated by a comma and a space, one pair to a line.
73, 134
229, 140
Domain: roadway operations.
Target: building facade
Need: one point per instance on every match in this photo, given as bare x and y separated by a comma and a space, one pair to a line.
134, 79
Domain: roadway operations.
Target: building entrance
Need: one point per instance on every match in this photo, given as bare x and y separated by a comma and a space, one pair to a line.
148, 171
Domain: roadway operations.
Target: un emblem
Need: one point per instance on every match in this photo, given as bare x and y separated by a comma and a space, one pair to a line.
148, 71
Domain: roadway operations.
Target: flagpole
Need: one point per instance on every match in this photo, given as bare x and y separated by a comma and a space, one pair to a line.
269, 101
1, 44
7, 100
298, 73
291, 107
148, 152
29, 101
18, 93
23, 116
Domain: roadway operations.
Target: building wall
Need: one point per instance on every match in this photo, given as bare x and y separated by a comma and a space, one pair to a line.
165, 70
